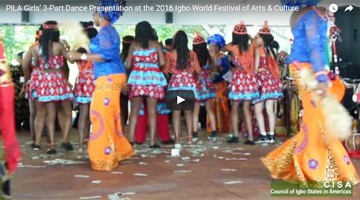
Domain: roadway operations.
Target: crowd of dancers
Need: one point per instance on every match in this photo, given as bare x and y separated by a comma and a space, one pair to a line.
244, 71
152, 69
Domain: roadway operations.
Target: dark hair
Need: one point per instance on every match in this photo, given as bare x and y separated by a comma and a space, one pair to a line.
183, 52
50, 34
202, 53
126, 46
37, 36
89, 29
268, 40
143, 33
169, 41
81, 50
241, 40
20, 54
155, 36
39, 33
275, 45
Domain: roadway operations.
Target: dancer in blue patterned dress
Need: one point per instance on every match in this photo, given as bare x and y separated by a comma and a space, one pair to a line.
146, 78
204, 86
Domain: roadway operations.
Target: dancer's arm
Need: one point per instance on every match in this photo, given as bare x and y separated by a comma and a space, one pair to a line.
129, 57
257, 59
161, 55
316, 36
26, 65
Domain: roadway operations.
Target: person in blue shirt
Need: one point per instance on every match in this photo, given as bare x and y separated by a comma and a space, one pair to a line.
315, 153
220, 104
107, 143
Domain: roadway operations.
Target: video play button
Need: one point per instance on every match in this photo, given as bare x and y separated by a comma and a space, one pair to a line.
180, 99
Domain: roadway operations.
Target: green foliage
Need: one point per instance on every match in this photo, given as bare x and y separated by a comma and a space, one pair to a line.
17, 39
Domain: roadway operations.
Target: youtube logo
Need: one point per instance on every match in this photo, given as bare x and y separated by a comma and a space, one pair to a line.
180, 100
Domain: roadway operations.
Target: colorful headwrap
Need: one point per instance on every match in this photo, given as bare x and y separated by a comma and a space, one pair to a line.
216, 39
111, 10
198, 39
299, 3
240, 29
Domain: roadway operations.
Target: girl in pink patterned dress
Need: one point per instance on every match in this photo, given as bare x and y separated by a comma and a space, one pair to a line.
182, 64
53, 87
146, 78
84, 88
204, 86
269, 80
243, 85
31, 74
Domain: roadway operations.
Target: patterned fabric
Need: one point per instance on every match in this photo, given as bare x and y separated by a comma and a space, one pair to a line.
243, 86
223, 67
7, 126
217, 39
53, 85
311, 155
265, 29
243, 60
114, 14
33, 83
220, 107
182, 79
107, 143
161, 108
299, 3
240, 28
220, 104
146, 77
205, 86
85, 83
292, 106
198, 39
284, 68
54, 62
270, 87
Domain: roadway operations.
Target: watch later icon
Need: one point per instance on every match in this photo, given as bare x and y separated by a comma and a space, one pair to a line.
333, 8
349, 8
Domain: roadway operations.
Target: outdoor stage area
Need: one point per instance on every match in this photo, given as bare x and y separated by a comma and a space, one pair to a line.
205, 170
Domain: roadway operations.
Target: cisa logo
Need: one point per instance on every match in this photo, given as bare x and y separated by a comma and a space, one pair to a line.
337, 185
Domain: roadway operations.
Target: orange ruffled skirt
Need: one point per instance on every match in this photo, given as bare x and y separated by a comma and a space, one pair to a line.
310, 155
107, 144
